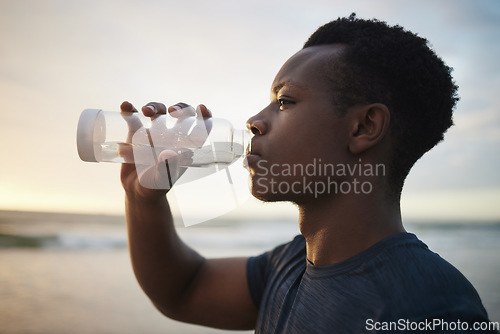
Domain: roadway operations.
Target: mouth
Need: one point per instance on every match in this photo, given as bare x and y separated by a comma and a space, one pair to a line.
251, 158
252, 155
251, 161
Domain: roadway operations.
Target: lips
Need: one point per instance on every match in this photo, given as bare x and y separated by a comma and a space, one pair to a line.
252, 156
252, 159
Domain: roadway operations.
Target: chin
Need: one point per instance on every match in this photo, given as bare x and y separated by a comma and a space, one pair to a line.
264, 195
261, 195
266, 190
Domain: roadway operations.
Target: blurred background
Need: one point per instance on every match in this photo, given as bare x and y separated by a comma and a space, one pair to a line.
63, 249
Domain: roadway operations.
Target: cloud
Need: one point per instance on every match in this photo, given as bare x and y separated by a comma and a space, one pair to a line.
60, 57
464, 205
479, 126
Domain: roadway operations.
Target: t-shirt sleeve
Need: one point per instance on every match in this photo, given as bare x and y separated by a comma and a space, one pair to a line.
257, 273
260, 267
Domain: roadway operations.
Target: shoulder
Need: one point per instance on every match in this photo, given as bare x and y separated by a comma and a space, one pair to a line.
411, 259
422, 283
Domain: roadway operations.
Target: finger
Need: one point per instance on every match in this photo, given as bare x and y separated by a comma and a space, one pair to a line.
125, 173
128, 111
154, 108
179, 159
127, 107
166, 154
203, 112
181, 110
178, 106
125, 151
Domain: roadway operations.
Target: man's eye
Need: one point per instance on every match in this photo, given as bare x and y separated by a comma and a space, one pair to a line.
283, 103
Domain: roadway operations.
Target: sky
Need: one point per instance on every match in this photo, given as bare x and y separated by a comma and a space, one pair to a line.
58, 57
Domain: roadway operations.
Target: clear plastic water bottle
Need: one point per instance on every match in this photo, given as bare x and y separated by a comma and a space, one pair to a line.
110, 136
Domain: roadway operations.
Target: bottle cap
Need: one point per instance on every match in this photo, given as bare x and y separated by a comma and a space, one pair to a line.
85, 135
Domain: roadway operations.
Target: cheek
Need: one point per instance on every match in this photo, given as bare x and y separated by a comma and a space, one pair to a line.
303, 136
304, 148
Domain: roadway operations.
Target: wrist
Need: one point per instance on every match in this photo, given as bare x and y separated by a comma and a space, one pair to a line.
146, 197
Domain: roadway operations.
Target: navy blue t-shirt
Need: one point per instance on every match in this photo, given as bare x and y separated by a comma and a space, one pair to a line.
397, 285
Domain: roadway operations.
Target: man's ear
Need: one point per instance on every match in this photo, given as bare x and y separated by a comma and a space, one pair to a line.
370, 123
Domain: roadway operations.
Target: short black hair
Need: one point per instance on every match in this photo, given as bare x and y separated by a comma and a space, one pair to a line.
390, 65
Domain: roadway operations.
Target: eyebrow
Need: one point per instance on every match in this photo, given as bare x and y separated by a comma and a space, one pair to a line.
282, 84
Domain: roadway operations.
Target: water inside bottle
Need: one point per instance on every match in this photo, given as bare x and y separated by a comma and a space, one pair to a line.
222, 154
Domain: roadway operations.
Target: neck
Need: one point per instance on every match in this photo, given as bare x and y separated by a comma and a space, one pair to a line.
339, 227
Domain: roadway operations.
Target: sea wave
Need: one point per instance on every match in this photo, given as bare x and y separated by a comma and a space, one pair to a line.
101, 232
61, 241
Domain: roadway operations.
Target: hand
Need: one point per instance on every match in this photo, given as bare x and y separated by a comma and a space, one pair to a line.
158, 176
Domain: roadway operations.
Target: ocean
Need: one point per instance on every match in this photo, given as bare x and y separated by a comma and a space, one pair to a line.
70, 273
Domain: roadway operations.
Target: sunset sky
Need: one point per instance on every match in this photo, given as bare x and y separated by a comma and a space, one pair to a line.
59, 57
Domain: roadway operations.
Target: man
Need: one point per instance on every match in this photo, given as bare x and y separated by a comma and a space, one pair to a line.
360, 103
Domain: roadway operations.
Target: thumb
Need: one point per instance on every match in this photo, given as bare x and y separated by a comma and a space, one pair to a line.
166, 172
158, 176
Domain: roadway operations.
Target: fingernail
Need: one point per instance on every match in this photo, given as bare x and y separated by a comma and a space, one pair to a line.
153, 109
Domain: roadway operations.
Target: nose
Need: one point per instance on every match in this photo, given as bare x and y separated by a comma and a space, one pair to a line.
257, 125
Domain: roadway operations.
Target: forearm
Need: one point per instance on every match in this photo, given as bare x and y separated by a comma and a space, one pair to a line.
163, 264
182, 284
